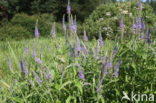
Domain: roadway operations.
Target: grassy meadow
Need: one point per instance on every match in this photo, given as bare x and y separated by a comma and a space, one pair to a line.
68, 67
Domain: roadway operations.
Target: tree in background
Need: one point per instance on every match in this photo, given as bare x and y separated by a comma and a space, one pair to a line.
81, 8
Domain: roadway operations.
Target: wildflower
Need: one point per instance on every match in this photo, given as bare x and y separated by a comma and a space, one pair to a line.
148, 36
50, 76
53, 31
36, 31
71, 51
103, 60
117, 68
21, 64
38, 60
42, 49
81, 74
16, 81
115, 50
68, 8
38, 80
64, 25
140, 5
85, 38
25, 67
26, 49
9, 63
66, 38
122, 26
48, 47
33, 50
108, 14
155, 29
97, 48
99, 84
31, 83
77, 48
100, 39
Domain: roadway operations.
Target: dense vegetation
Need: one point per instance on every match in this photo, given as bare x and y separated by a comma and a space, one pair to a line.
44, 61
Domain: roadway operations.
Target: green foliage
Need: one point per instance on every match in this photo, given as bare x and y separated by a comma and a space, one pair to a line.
135, 73
26, 24
15, 32
109, 25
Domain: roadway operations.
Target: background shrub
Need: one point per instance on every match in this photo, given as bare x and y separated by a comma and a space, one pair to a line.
109, 25
25, 24
16, 32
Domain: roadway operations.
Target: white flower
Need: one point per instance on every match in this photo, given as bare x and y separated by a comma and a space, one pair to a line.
108, 14
125, 12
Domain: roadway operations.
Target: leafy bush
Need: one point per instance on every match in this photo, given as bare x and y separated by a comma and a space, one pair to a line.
107, 19
15, 32
26, 23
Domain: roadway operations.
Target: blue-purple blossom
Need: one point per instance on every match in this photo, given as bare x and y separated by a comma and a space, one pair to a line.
117, 68
99, 84
100, 39
134, 26
85, 38
81, 74
140, 5
38, 80
42, 49
50, 76
155, 29
48, 47
25, 67
71, 51
21, 64
66, 38
16, 81
68, 8
121, 22
77, 48
64, 25
103, 60
115, 50
33, 50
38, 60
53, 31
31, 83
148, 36
36, 31
97, 48
26, 49
9, 63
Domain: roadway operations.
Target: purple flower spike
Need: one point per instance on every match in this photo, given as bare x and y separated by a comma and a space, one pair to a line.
38, 60
117, 68
53, 31
81, 74
99, 84
78, 48
31, 83
26, 49
64, 25
103, 60
21, 65
33, 50
9, 63
115, 50
100, 39
38, 80
25, 68
155, 29
97, 48
36, 31
148, 36
50, 76
66, 38
42, 49
85, 38
71, 51
68, 8
121, 22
